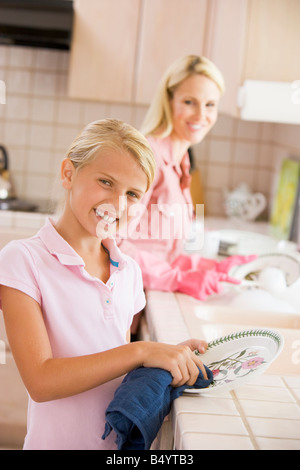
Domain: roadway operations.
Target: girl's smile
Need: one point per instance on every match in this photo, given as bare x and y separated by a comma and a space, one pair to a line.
101, 193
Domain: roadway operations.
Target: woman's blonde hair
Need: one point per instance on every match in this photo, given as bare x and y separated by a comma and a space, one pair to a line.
158, 119
112, 134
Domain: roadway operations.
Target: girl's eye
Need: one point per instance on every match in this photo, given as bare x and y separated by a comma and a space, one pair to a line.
188, 102
132, 194
211, 104
105, 182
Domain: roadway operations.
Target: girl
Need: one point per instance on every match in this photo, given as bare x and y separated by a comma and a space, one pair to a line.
69, 296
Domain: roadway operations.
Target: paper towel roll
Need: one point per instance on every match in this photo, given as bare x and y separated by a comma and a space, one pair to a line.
270, 101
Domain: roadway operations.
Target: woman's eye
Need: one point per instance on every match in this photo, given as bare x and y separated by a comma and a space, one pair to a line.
188, 102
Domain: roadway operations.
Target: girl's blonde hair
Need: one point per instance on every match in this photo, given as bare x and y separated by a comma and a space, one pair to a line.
158, 119
112, 134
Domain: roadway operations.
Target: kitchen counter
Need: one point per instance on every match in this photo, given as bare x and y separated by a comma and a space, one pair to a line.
264, 414
261, 415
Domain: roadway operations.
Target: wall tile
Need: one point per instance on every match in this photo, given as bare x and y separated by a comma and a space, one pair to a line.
220, 151
46, 59
247, 130
44, 84
18, 82
93, 112
40, 121
69, 112
218, 176
21, 57
3, 55
63, 137
39, 161
41, 135
15, 133
245, 153
224, 127
18, 107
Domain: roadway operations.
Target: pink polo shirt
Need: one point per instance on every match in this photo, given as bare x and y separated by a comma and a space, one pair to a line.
166, 222
82, 316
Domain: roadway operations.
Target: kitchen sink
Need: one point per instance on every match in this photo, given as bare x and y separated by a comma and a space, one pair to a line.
209, 322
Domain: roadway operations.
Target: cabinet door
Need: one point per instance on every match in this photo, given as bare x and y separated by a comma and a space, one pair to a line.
226, 46
169, 29
103, 49
273, 40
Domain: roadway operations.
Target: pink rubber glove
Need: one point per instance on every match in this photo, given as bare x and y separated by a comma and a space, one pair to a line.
201, 284
196, 262
192, 275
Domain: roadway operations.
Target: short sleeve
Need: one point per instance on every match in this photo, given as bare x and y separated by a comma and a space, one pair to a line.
17, 270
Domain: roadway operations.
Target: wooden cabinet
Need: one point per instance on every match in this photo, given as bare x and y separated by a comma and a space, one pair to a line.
254, 39
169, 29
273, 40
103, 52
226, 46
121, 48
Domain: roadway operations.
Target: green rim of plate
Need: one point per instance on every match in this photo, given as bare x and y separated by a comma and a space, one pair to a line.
246, 334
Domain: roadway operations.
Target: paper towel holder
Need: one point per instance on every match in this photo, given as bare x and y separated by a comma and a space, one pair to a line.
269, 101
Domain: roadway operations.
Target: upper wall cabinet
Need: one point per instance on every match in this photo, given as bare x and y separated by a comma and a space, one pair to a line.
169, 29
254, 39
121, 48
105, 38
273, 42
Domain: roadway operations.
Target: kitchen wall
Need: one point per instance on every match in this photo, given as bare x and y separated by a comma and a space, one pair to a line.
39, 121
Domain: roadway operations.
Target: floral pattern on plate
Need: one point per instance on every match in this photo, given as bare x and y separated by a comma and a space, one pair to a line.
237, 358
236, 365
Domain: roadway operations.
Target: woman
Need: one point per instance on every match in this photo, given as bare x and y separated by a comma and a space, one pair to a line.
184, 110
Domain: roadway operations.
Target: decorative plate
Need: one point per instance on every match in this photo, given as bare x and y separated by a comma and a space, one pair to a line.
289, 265
240, 357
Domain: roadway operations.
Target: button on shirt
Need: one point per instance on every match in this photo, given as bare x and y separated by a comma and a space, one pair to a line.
83, 316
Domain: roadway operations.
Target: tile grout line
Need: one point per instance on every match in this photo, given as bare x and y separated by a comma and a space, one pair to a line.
244, 420
291, 391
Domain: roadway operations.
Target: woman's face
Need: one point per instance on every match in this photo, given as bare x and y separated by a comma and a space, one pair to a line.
194, 108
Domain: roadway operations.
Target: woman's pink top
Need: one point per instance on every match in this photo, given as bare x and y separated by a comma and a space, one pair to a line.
166, 222
82, 316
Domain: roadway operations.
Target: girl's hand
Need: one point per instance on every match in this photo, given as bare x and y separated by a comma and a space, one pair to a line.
180, 360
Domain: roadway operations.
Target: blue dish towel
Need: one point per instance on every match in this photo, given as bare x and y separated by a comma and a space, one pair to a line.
141, 403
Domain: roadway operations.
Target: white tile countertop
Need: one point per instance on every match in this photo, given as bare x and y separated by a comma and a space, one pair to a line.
264, 414
261, 415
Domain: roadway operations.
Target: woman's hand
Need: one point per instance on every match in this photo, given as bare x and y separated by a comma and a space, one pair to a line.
180, 360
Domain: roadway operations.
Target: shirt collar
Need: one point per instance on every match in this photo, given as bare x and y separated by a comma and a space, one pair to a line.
164, 148
116, 257
58, 247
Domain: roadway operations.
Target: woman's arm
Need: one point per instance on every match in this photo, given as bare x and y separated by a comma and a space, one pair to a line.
47, 378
